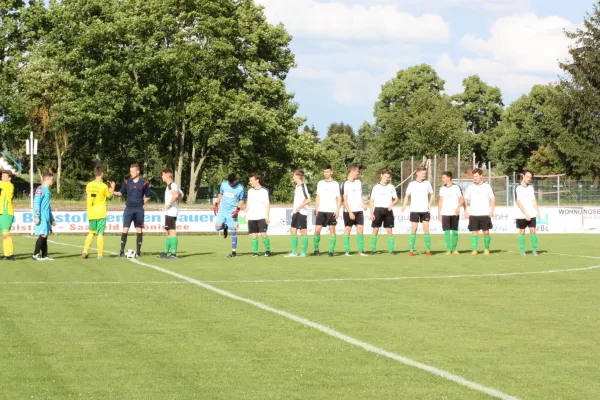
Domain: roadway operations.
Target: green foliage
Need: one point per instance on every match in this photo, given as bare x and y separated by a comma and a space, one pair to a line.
543, 161
71, 190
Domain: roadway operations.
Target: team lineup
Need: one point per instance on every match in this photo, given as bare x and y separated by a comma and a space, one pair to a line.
478, 204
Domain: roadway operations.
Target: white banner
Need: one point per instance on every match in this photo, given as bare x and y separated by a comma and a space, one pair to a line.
554, 220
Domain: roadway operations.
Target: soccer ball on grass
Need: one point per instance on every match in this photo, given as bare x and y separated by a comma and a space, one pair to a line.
130, 253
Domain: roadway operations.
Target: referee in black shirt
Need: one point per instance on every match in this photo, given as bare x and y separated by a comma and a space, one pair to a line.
138, 194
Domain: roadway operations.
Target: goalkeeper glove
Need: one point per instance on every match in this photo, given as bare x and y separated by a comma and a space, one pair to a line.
234, 215
216, 208
36, 220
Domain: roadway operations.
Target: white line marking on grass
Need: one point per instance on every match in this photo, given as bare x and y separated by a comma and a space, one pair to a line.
328, 331
98, 283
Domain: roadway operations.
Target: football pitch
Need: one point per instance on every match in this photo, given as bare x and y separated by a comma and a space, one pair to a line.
380, 327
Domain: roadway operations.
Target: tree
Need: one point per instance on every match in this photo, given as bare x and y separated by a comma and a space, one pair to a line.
313, 131
543, 161
341, 146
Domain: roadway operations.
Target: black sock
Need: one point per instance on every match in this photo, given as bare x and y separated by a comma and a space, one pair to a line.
45, 247
123, 241
139, 242
38, 246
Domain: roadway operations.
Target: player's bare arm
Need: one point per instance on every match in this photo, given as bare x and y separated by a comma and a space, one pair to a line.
317, 200
461, 203
405, 203
467, 216
440, 202
304, 204
347, 207
492, 207
537, 209
338, 206
268, 213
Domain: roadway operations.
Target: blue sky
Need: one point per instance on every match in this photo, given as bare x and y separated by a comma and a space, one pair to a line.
345, 49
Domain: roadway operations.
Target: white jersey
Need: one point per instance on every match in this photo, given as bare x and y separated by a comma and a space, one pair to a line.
300, 195
479, 197
526, 195
354, 192
383, 195
328, 192
419, 196
257, 204
450, 198
171, 191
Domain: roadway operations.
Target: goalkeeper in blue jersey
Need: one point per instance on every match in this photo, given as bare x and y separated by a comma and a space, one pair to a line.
42, 217
229, 203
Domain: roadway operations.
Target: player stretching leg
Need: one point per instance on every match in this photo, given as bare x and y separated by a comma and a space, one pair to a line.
7, 191
258, 209
300, 215
42, 217
526, 206
173, 195
97, 194
327, 208
481, 203
421, 197
354, 205
229, 203
138, 194
382, 202
449, 204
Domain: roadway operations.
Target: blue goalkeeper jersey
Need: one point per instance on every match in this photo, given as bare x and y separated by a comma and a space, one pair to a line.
41, 204
232, 195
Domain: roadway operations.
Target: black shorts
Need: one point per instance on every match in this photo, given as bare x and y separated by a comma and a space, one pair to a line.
480, 223
383, 217
170, 223
135, 215
326, 219
299, 221
257, 226
420, 217
524, 224
359, 219
450, 222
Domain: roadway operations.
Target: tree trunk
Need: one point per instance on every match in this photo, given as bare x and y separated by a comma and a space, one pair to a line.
196, 170
179, 153
58, 164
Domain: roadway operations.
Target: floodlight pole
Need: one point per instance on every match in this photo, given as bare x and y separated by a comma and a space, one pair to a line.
31, 150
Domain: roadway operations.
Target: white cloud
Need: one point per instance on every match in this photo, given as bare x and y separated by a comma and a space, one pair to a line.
489, 5
368, 20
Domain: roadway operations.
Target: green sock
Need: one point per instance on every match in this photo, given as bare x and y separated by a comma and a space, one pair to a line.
534, 243
267, 243
448, 239
332, 240
454, 240
295, 244
391, 244
255, 245
486, 241
361, 242
411, 242
373, 242
347, 243
522, 243
474, 242
168, 244
304, 244
316, 241
174, 244
427, 242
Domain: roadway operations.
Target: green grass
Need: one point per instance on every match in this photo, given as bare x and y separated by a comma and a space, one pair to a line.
157, 337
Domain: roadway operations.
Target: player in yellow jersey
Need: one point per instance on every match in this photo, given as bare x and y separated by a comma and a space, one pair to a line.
7, 191
97, 194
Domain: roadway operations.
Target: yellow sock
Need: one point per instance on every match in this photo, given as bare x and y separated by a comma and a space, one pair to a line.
7, 245
88, 242
100, 245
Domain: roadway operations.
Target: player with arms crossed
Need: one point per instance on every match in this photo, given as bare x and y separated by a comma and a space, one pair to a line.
300, 215
354, 205
481, 203
327, 208
7, 214
526, 209
449, 204
138, 194
97, 194
383, 199
173, 195
42, 217
421, 198
258, 209
227, 208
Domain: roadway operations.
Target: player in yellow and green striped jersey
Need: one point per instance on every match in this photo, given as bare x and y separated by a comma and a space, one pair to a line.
7, 191
97, 194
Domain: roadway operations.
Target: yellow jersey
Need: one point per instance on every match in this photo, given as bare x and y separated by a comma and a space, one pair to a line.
97, 193
7, 192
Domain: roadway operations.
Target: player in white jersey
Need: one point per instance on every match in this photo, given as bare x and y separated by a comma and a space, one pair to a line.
173, 195
481, 203
526, 209
383, 200
327, 208
258, 208
299, 214
449, 204
354, 205
421, 197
